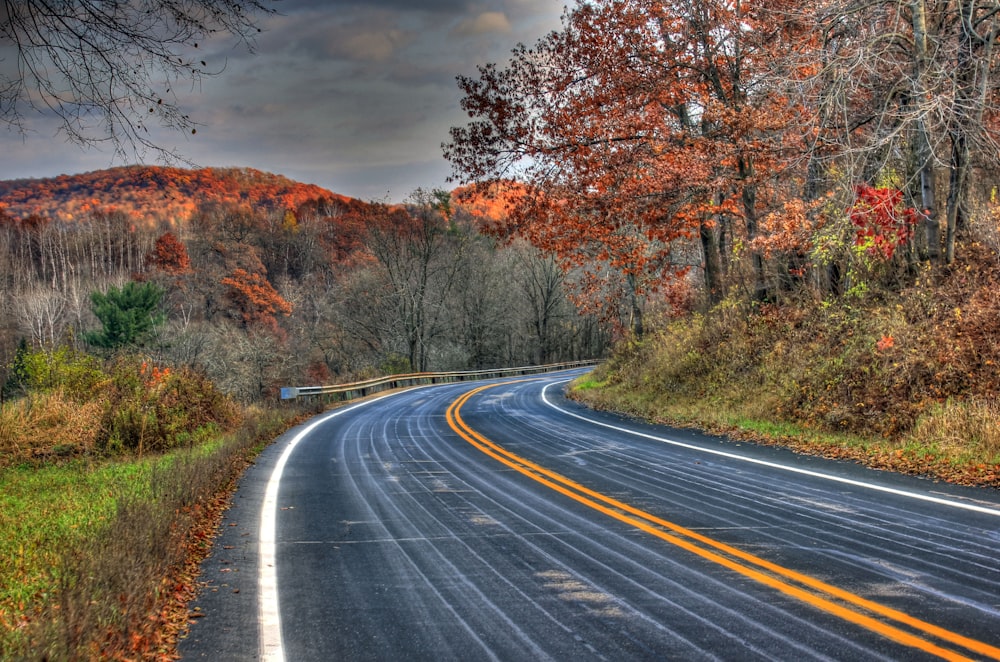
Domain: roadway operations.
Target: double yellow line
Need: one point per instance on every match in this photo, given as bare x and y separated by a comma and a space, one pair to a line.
844, 604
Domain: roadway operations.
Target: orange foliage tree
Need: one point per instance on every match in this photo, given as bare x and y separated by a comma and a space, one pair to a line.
256, 300
639, 129
170, 255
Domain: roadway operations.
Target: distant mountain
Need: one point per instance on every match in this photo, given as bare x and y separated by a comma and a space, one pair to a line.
152, 194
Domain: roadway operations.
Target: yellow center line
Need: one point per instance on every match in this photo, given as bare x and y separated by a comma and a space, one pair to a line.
734, 559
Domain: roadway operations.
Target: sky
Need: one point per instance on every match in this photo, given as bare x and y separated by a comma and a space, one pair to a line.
354, 96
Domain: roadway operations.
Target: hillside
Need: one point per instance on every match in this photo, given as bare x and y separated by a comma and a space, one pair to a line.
902, 380
154, 194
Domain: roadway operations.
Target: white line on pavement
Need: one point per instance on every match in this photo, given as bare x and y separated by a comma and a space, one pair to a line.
773, 465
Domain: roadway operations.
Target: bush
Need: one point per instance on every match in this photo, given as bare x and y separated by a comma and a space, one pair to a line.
156, 409
75, 405
76, 374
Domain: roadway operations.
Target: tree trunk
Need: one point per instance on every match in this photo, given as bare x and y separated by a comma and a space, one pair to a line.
958, 193
749, 199
925, 156
635, 308
965, 80
713, 261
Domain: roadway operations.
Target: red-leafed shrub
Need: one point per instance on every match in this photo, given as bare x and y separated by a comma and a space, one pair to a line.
881, 222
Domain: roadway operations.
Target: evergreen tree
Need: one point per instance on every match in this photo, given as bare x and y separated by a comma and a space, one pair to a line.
128, 314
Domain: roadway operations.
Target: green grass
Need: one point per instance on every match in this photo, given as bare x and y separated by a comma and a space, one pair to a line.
94, 553
44, 511
587, 383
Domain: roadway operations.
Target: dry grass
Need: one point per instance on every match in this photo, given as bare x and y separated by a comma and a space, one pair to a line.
962, 427
902, 379
48, 425
112, 589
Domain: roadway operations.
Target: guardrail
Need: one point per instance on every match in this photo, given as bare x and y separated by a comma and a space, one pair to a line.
343, 392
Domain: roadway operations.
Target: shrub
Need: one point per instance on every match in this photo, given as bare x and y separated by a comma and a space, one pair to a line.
154, 409
75, 405
76, 374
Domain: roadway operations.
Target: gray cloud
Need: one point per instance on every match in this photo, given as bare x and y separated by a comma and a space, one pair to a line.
354, 96
484, 23
334, 6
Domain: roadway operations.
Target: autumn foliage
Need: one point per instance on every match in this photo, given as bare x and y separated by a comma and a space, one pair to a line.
643, 130
256, 300
154, 194
761, 147
170, 255
882, 223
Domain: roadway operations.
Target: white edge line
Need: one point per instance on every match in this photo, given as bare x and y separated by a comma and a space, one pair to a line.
773, 465
271, 644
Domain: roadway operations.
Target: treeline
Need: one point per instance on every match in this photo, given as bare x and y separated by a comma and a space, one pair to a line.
711, 151
151, 195
258, 298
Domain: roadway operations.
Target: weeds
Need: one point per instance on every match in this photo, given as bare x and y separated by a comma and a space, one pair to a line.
105, 472
94, 555
912, 377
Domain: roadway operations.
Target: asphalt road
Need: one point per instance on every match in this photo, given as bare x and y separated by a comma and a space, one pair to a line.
511, 524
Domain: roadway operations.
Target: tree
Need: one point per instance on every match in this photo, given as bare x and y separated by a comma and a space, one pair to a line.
907, 91
415, 254
106, 69
256, 300
639, 128
541, 283
128, 314
169, 255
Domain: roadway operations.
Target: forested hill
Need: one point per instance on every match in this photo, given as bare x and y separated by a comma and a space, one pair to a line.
154, 194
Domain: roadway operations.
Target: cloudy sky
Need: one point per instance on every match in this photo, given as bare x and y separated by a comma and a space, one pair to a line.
355, 96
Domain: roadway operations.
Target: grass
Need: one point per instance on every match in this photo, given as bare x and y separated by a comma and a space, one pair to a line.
111, 477
587, 382
44, 511
96, 553
905, 380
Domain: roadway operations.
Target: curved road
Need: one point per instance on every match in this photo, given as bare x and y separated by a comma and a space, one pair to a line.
498, 521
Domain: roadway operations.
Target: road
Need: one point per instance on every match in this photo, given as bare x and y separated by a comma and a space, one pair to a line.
499, 521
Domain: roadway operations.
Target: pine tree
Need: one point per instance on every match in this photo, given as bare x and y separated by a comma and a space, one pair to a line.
128, 314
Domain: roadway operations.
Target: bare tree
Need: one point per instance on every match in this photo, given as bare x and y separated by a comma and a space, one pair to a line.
541, 284
910, 88
42, 311
107, 69
418, 250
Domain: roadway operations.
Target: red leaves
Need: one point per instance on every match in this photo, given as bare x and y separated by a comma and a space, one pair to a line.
885, 343
882, 224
